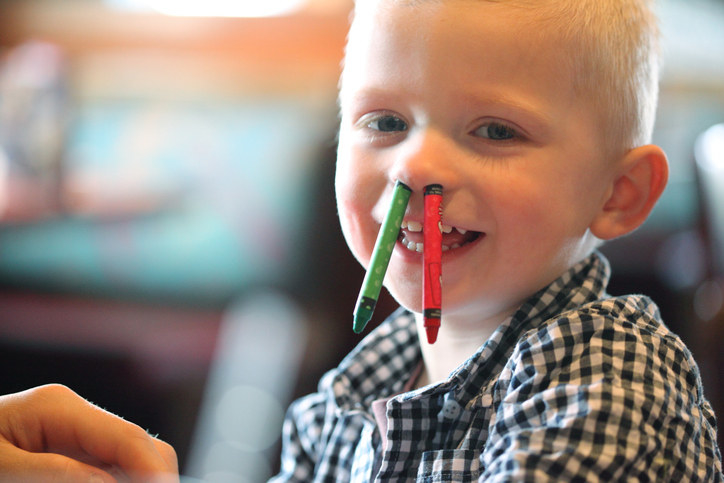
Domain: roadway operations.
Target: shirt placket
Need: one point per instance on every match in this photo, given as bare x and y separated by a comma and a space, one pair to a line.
367, 452
418, 425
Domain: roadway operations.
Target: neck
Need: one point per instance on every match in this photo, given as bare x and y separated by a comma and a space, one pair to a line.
457, 340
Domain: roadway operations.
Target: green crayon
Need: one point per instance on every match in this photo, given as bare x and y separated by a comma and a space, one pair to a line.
386, 239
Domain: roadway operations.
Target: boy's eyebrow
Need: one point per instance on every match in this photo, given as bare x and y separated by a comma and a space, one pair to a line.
362, 96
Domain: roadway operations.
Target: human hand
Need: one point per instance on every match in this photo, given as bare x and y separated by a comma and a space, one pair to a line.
49, 433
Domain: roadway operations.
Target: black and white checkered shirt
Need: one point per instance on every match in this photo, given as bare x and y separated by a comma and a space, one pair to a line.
575, 386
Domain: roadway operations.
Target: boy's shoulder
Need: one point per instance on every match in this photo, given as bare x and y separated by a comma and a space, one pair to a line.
622, 321
620, 339
577, 307
610, 317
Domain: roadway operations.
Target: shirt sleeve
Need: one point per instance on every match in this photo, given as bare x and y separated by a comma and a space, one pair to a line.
594, 398
300, 439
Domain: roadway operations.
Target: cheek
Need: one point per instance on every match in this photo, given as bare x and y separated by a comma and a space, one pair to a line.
358, 186
533, 218
353, 175
354, 230
548, 222
524, 202
354, 205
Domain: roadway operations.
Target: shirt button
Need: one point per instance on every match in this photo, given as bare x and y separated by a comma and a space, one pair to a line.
450, 410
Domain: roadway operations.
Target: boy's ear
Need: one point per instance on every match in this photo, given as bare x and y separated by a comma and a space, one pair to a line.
640, 179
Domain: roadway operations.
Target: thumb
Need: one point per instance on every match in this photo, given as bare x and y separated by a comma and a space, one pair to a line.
20, 465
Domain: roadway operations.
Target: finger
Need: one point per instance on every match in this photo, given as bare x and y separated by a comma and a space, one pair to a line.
167, 453
162, 467
61, 421
19, 465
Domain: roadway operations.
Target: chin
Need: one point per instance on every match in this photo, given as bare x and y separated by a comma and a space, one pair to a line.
410, 301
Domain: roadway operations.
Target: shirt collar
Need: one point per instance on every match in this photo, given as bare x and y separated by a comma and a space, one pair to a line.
585, 282
380, 365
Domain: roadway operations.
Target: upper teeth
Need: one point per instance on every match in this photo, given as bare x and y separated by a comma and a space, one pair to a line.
412, 225
415, 226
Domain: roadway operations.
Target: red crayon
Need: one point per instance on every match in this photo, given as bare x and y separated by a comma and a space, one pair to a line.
432, 258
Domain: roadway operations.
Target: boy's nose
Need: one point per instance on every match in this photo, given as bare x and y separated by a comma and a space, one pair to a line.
428, 157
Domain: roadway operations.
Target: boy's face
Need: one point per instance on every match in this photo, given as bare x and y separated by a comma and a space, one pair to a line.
476, 97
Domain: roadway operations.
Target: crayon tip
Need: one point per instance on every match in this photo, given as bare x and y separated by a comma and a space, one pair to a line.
360, 321
431, 332
363, 313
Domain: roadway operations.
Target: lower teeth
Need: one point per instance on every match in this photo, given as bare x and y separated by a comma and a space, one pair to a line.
412, 246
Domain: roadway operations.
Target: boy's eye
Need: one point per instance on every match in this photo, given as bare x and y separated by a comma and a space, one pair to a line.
387, 124
495, 131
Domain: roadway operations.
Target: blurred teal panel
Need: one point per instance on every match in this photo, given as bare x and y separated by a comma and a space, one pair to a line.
213, 197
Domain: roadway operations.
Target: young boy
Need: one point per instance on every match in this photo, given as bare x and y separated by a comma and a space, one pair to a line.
535, 117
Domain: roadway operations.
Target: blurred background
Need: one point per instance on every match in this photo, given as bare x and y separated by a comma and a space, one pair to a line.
168, 240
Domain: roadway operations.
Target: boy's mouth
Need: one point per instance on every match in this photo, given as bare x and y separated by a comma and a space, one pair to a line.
452, 237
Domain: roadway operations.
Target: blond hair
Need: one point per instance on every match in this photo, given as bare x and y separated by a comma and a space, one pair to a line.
615, 59
612, 47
